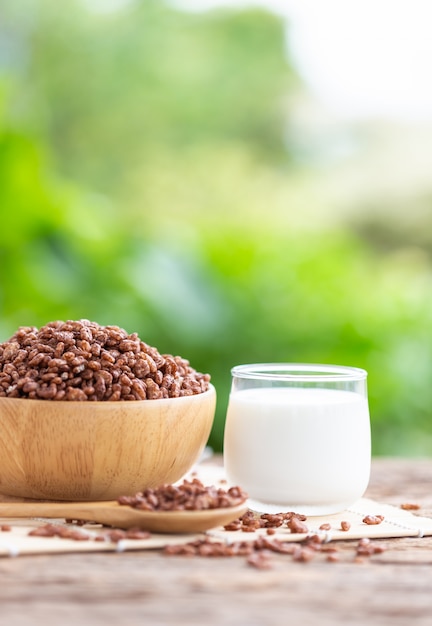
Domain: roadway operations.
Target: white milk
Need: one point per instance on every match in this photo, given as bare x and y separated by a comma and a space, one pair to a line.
305, 449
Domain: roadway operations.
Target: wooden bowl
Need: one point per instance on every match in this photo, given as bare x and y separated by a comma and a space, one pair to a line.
99, 450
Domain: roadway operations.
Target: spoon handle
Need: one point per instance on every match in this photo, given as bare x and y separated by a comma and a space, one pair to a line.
68, 510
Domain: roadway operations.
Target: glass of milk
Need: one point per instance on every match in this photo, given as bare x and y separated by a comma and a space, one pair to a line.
297, 436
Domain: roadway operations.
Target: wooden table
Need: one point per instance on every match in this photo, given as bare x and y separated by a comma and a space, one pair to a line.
146, 587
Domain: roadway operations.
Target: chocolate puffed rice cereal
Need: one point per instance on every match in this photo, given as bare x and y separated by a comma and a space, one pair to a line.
81, 360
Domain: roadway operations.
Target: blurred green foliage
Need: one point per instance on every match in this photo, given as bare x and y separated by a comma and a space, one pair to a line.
145, 181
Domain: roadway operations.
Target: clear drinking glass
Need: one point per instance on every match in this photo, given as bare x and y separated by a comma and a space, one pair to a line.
297, 436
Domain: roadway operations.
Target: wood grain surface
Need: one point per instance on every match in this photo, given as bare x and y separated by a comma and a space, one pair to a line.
393, 587
99, 450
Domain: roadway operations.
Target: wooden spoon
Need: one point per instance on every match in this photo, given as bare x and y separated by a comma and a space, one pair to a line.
111, 513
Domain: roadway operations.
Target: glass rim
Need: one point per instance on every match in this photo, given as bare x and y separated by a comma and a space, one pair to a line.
312, 372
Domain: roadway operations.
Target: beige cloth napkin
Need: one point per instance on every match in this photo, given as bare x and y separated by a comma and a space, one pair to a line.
397, 523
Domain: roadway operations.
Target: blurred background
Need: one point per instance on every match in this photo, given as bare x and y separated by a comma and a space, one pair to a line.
236, 182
